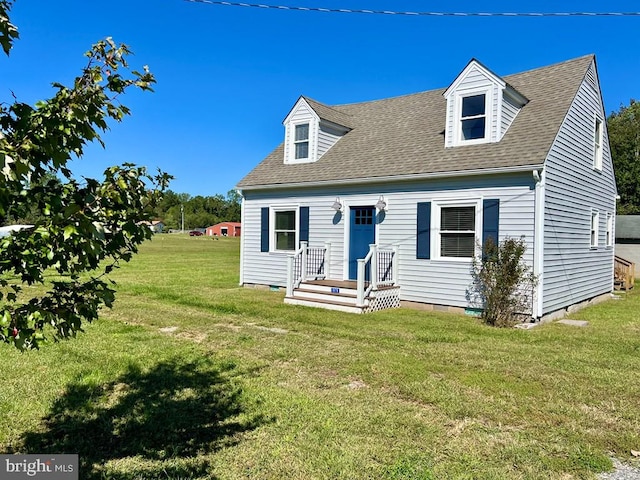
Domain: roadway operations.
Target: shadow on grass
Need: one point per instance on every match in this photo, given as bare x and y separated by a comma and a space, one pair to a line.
164, 421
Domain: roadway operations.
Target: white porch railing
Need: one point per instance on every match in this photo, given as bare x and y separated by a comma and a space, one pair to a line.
383, 271
313, 264
307, 263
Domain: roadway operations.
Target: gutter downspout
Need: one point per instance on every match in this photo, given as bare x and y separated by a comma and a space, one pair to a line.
242, 230
538, 242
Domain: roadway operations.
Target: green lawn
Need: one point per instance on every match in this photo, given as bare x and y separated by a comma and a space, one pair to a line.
191, 376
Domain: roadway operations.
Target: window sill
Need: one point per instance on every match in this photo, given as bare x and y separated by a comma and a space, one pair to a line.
281, 253
477, 141
452, 259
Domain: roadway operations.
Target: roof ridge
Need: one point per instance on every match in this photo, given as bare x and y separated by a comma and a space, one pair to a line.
571, 60
591, 55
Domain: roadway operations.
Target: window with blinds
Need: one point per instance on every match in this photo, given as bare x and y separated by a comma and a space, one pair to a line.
457, 231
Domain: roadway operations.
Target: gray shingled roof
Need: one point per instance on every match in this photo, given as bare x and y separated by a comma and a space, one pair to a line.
331, 114
628, 227
404, 136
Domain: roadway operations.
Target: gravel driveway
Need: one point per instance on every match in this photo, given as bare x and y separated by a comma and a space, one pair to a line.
622, 471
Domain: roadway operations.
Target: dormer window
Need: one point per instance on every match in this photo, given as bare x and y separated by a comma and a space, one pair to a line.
302, 141
481, 106
473, 118
310, 130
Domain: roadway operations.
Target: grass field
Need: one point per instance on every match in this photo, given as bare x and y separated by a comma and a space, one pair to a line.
191, 376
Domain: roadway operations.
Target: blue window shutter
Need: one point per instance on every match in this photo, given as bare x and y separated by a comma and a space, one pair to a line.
491, 219
264, 229
423, 238
304, 224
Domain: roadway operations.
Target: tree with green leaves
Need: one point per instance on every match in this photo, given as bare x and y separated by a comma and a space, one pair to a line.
83, 227
623, 127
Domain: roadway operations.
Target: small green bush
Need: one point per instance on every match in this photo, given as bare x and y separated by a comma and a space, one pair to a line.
503, 282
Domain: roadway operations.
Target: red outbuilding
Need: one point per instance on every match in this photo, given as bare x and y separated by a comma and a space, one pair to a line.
224, 229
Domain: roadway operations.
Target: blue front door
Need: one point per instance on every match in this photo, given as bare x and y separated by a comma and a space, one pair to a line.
362, 232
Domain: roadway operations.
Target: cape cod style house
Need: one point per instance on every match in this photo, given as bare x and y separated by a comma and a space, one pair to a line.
367, 205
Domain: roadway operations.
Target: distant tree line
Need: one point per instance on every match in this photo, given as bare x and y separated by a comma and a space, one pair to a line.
199, 211
623, 127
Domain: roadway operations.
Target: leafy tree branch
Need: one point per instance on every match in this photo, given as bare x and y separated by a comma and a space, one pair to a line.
81, 229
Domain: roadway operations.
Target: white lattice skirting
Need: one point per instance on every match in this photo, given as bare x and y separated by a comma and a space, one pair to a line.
383, 299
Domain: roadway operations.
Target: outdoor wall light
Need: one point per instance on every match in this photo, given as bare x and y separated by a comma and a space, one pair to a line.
337, 205
382, 204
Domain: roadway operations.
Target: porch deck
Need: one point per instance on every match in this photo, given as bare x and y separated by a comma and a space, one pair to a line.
309, 281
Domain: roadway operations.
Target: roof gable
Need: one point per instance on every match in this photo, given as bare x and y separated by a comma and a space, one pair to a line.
301, 104
474, 67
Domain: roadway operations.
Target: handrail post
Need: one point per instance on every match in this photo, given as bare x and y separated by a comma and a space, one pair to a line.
303, 274
360, 284
327, 259
290, 259
395, 266
373, 248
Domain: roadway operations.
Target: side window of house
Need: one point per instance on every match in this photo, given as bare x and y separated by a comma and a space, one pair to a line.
302, 141
457, 231
609, 239
598, 137
595, 220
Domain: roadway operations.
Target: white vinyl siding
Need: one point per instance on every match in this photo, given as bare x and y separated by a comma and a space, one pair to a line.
573, 272
510, 110
435, 281
328, 135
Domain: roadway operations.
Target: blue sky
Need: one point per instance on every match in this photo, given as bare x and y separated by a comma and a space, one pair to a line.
227, 76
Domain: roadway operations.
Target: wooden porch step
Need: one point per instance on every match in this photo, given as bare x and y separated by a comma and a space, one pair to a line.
342, 295
324, 303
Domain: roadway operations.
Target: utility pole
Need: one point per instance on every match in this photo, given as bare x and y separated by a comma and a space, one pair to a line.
182, 214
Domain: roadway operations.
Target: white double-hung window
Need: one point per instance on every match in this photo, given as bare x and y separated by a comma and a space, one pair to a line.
609, 240
473, 118
595, 221
301, 141
284, 234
